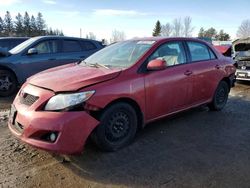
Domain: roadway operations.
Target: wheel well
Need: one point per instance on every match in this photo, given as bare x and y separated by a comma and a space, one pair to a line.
8, 69
134, 105
227, 80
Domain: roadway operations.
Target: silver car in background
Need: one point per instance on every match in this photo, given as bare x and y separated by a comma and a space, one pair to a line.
241, 55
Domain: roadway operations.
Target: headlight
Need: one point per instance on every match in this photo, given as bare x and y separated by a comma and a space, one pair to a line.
63, 101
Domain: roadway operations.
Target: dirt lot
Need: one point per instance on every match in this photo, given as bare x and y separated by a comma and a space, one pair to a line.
197, 148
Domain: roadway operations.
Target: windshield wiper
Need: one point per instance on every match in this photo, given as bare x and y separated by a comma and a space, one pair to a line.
97, 65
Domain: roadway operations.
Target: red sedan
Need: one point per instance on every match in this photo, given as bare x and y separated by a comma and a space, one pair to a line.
116, 91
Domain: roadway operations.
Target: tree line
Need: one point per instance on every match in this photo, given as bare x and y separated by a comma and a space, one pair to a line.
183, 28
178, 28
25, 26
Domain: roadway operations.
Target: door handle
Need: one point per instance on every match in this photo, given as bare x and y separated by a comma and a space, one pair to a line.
218, 66
52, 59
188, 72
83, 56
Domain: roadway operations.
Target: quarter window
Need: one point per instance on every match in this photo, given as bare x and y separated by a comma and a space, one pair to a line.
212, 56
172, 52
71, 46
199, 51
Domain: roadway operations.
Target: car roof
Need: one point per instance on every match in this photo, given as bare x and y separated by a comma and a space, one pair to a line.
13, 38
61, 37
158, 39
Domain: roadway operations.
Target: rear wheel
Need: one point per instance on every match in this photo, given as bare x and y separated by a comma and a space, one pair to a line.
8, 83
220, 97
118, 126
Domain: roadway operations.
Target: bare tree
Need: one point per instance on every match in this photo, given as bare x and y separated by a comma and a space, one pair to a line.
91, 35
187, 27
166, 30
244, 29
177, 27
117, 36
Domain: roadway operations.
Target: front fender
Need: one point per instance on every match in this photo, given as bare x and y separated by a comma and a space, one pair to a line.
11, 67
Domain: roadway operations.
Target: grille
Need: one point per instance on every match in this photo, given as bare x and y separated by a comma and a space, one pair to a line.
28, 99
245, 65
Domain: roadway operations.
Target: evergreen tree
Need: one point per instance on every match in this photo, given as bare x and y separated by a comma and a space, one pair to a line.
211, 33
222, 36
40, 24
26, 24
61, 33
1, 27
201, 32
19, 29
8, 24
157, 29
33, 26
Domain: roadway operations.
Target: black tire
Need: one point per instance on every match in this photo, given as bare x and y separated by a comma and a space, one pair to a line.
220, 97
8, 83
118, 126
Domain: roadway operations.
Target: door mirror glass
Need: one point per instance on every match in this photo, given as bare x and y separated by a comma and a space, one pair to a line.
156, 64
32, 51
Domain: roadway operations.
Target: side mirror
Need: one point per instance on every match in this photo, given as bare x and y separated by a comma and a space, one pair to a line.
32, 51
156, 64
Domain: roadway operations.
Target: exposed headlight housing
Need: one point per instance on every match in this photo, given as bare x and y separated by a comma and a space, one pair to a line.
65, 101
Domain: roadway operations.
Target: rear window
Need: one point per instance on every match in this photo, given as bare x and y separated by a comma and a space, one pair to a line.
71, 46
87, 45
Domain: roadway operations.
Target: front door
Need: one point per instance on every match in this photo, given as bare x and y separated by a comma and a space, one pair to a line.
168, 90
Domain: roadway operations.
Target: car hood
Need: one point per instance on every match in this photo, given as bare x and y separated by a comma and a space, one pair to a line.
72, 77
241, 49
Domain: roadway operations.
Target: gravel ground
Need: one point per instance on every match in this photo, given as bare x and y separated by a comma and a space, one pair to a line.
197, 148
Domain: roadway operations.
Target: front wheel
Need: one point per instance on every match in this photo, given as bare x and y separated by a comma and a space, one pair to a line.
118, 126
220, 97
8, 83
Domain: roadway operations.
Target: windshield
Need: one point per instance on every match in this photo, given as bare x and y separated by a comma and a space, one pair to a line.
119, 55
22, 46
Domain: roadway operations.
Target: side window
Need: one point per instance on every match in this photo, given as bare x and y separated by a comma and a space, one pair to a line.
198, 51
87, 45
71, 46
47, 47
172, 52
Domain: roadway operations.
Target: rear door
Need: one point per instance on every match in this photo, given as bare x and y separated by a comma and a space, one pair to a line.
89, 47
168, 90
206, 72
72, 51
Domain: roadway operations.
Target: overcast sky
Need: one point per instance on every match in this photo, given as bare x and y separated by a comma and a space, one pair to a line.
135, 17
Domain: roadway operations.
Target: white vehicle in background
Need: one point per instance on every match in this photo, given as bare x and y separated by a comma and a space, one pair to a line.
241, 55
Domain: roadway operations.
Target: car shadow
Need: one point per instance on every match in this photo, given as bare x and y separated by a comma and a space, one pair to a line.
196, 147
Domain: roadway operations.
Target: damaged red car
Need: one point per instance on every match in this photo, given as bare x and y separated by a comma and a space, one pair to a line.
114, 93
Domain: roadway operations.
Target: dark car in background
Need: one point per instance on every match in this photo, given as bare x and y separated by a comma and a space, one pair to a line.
7, 43
38, 54
241, 55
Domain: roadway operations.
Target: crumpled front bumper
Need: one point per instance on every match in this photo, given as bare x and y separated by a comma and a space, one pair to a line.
30, 124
